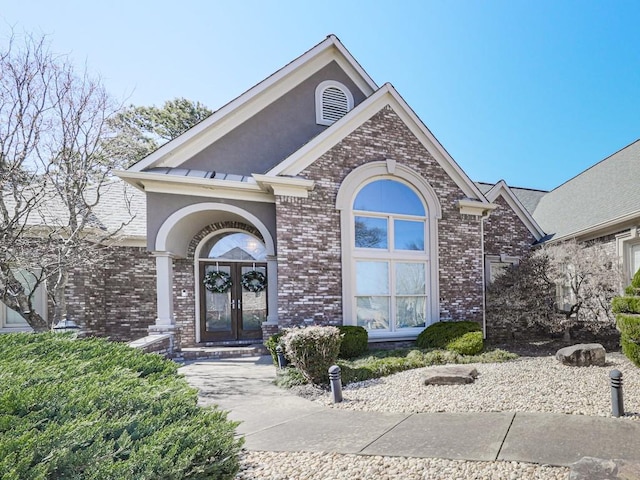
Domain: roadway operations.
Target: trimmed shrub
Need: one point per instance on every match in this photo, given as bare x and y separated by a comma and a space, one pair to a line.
355, 341
94, 409
272, 343
468, 344
625, 304
313, 350
440, 334
634, 288
628, 320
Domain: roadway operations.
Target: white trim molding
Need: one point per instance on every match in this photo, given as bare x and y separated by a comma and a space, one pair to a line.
475, 207
385, 96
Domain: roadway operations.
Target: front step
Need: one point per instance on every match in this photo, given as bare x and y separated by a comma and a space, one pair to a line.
212, 353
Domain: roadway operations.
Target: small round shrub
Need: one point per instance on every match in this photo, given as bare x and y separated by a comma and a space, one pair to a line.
440, 334
355, 341
313, 350
468, 344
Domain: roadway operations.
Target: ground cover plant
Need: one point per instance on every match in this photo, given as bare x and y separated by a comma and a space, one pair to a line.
92, 409
380, 363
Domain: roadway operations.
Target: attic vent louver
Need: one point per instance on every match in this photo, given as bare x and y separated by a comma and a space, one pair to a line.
333, 101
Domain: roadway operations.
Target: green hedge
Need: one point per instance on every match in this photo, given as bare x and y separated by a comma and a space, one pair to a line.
440, 334
631, 349
355, 341
91, 409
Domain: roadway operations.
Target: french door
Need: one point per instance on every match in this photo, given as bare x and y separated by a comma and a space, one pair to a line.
232, 311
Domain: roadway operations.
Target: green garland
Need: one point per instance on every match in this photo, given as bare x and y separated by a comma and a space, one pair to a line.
217, 282
254, 281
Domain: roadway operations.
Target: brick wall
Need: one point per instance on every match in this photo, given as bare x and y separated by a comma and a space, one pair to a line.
116, 299
504, 232
309, 246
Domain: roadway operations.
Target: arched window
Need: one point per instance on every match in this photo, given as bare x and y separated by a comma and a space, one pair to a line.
389, 250
333, 101
234, 246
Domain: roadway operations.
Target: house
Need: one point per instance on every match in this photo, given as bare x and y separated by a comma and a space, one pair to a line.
318, 197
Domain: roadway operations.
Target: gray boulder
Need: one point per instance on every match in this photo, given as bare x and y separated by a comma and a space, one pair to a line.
589, 468
582, 355
450, 375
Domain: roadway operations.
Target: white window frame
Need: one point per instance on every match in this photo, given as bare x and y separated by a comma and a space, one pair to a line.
350, 187
40, 305
320, 89
490, 260
625, 243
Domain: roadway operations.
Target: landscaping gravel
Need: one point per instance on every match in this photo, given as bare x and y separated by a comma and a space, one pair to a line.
331, 466
528, 384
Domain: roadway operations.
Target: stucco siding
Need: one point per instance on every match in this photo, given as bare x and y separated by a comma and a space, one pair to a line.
275, 132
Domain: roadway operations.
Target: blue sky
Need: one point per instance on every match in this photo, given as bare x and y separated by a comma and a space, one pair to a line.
531, 92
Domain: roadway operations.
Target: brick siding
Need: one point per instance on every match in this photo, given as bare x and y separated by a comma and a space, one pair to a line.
309, 246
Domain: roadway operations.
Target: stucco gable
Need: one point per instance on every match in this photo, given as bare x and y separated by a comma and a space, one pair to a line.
329, 54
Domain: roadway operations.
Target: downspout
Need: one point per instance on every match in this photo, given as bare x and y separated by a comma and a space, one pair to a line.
484, 280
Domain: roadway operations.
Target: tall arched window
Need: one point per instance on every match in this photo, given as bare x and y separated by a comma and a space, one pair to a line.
389, 250
390, 262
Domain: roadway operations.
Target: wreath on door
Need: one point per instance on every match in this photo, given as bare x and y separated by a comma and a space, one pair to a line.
254, 281
217, 282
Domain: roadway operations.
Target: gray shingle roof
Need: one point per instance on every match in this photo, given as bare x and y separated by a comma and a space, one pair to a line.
119, 204
608, 190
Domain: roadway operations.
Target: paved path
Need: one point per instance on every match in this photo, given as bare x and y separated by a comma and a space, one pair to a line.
274, 420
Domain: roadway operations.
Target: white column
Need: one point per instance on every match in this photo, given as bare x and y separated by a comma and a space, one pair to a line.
164, 289
272, 290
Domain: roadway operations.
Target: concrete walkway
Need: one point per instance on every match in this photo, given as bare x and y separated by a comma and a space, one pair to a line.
274, 420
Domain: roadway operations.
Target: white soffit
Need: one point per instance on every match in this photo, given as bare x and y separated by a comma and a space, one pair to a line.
233, 114
386, 95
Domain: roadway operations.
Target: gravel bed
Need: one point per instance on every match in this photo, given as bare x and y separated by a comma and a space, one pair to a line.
528, 384
331, 466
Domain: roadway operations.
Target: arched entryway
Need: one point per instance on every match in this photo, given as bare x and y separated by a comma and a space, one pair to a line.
190, 244
231, 268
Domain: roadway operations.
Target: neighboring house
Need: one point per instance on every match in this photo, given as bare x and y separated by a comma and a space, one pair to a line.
319, 197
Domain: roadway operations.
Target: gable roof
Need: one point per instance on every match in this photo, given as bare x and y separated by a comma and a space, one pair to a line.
528, 197
501, 189
605, 195
385, 96
222, 121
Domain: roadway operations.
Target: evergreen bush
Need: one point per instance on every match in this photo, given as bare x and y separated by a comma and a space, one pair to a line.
93, 409
355, 341
470, 343
440, 334
627, 311
313, 350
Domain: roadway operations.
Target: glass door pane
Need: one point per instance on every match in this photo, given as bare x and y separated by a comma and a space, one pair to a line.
218, 305
254, 304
